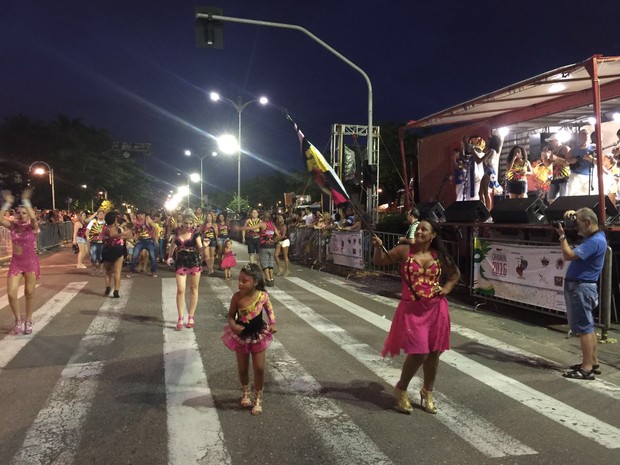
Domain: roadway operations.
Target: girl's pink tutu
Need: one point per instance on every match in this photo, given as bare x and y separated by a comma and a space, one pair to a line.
249, 344
229, 261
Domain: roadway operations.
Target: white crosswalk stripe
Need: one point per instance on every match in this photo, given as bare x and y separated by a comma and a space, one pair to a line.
569, 417
55, 435
4, 300
345, 440
194, 431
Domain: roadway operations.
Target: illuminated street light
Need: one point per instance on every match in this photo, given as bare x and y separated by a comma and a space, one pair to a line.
40, 171
239, 105
188, 153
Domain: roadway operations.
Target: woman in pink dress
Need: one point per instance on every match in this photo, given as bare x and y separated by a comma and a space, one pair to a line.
421, 325
24, 261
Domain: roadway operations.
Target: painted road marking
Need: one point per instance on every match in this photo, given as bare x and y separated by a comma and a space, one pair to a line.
346, 441
55, 434
194, 431
11, 345
582, 423
478, 432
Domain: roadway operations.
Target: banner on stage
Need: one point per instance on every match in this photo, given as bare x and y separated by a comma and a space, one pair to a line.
346, 248
528, 274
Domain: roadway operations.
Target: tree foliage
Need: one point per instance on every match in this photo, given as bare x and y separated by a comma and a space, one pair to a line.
79, 155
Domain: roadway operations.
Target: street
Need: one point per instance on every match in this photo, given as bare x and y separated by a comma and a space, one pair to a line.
110, 381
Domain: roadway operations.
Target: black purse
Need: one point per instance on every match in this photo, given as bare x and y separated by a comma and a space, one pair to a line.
75, 249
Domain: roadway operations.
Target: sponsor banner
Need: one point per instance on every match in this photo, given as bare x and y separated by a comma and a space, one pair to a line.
346, 248
528, 274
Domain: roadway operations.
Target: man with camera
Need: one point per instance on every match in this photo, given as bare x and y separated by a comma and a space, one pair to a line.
581, 286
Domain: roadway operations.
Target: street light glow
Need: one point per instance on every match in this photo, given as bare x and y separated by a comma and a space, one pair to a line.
188, 153
194, 177
214, 96
183, 190
39, 171
263, 100
228, 144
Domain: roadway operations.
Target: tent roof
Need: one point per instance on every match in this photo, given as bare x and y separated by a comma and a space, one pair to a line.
561, 97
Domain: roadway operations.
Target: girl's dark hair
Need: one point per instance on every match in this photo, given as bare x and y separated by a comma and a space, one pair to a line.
511, 154
110, 218
447, 262
254, 272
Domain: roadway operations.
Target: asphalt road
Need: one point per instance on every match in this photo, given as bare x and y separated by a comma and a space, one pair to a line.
109, 381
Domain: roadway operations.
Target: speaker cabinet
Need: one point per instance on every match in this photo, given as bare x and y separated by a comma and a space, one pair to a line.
529, 210
469, 211
432, 210
555, 211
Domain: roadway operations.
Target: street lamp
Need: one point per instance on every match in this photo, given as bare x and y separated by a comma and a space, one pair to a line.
188, 153
239, 105
194, 177
39, 171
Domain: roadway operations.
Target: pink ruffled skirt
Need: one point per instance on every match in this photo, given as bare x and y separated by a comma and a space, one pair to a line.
419, 327
250, 344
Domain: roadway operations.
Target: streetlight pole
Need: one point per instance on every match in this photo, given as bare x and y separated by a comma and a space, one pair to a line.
239, 105
201, 157
50, 173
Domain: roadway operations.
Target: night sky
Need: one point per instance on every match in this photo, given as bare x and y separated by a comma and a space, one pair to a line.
132, 67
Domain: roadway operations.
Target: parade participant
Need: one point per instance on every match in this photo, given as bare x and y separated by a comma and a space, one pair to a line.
491, 167
282, 246
518, 169
228, 261
222, 235
199, 214
146, 237
79, 237
247, 333
93, 232
251, 237
266, 252
112, 253
24, 260
209, 239
581, 287
474, 151
186, 250
421, 325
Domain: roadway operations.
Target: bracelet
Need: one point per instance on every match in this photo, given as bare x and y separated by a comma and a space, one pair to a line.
562, 237
26, 203
6, 206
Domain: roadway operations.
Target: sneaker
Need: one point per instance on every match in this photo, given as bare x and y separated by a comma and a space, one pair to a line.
115, 295
18, 328
107, 291
130, 275
154, 275
28, 327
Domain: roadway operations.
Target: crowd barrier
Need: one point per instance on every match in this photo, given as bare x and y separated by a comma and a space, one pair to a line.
51, 235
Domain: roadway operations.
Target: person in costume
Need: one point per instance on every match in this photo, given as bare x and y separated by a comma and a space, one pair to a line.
113, 252
186, 250
24, 261
248, 335
421, 325
228, 261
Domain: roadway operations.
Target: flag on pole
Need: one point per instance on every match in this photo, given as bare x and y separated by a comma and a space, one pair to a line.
322, 172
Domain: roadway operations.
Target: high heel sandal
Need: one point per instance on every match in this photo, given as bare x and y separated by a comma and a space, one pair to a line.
18, 328
258, 399
190, 321
28, 327
245, 397
427, 402
403, 404
180, 323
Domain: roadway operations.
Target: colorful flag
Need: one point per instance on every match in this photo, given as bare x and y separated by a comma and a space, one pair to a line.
323, 174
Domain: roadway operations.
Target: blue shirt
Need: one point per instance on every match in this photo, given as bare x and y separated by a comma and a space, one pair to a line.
581, 166
591, 256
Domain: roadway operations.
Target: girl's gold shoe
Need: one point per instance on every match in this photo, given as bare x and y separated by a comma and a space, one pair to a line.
426, 401
403, 404
245, 398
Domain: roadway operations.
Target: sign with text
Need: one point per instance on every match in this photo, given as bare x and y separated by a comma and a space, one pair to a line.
346, 248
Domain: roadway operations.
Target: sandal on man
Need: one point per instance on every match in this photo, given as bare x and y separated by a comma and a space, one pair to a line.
596, 369
579, 373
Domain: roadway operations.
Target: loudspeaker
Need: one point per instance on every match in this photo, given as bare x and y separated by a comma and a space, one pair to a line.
432, 210
527, 210
555, 211
469, 211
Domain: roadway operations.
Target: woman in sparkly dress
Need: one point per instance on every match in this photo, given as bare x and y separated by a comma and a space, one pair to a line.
24, 261
421, 325
186, 249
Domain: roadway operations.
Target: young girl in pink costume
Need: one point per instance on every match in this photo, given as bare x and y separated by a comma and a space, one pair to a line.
24, 261
228, 261
247, 334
